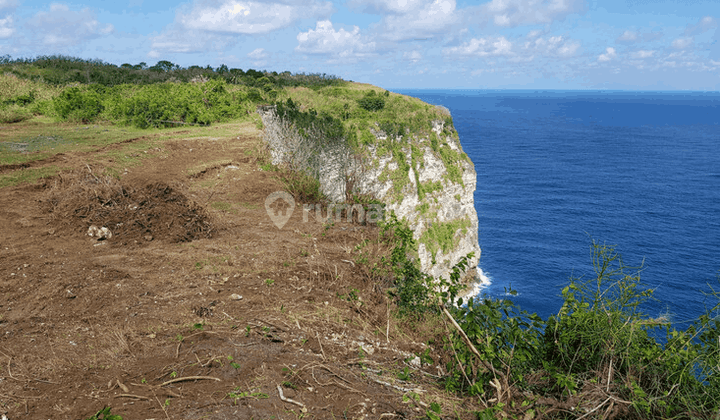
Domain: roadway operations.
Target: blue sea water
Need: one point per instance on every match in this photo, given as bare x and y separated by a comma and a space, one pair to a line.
556, 169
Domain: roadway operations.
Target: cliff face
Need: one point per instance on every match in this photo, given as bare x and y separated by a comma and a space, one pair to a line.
427, 181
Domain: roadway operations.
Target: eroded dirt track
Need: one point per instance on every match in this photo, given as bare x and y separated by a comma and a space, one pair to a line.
150, 323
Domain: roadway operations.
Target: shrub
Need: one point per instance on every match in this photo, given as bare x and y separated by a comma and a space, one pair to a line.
597, 354
371, 101
75, 104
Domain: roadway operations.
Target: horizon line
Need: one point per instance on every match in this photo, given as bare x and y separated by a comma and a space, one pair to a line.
562, 90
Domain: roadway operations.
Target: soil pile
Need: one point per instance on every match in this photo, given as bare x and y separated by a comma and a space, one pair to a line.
134, 213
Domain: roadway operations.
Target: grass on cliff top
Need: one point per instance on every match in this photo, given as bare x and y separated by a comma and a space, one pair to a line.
400, 116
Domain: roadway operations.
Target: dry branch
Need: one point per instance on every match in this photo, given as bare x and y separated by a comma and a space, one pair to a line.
189, 378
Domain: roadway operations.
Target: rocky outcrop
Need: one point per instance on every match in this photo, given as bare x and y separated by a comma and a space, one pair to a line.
427, 181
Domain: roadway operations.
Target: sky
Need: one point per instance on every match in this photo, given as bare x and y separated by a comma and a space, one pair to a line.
401, 44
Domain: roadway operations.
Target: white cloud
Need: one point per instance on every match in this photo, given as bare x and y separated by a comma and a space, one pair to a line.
419, 20
259, 56
609, 55
6, 27
528, 12
8, 4
682, 43
564, 48
180, 41
413, 56
705, 24
387, 6
556, 46
483, 47
249, 17
324, 39
628, 36
640, 54
62, 27
533, 34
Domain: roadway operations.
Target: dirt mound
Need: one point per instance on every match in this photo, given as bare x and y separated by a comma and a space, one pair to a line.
134, 213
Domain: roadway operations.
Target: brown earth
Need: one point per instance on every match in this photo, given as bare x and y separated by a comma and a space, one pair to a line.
148, 322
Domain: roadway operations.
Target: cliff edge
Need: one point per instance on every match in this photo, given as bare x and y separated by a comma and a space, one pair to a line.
398, 151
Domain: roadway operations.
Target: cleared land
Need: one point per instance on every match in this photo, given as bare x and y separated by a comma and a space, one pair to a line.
149, 322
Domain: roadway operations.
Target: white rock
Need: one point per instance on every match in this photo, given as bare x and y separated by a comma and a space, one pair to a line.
99, 233
235, 296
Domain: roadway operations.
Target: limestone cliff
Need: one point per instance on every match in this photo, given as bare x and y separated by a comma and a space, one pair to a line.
426, 180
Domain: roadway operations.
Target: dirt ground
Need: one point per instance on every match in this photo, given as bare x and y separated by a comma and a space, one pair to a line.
198, 306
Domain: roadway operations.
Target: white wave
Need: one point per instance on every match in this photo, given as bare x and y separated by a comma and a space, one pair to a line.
474, 289
484, 280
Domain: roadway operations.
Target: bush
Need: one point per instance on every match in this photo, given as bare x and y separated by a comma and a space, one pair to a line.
75, 104
170, 104
371, 101
13, 114
598, 354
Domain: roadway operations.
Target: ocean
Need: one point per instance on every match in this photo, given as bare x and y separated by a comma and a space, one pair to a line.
558, 169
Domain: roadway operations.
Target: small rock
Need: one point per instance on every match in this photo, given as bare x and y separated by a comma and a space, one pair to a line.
415, 362
235, 296
99, 233
148, 238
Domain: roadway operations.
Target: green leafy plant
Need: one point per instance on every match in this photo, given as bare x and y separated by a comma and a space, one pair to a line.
81, 105
237, 394
434, 412
371, 101
404, 375
104, 414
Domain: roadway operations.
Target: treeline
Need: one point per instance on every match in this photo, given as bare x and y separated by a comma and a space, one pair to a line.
60, 70
162, 95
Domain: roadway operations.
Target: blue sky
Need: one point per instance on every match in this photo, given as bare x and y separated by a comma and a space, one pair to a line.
497, 44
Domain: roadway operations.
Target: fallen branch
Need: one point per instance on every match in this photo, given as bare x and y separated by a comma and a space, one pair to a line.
469, 343
189, 378
288, 400
399, 388
321, 347
139, 397
594, 409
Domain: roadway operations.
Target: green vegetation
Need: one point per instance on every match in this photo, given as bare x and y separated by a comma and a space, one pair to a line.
236, 395
59, 70
353, 117
163, 95
442, 235
326, 111
372, 101
104, 414
599, 353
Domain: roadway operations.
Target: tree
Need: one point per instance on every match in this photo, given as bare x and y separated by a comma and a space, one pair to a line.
164, 66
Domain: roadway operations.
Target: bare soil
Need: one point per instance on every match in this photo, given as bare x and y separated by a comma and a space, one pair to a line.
149, 322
